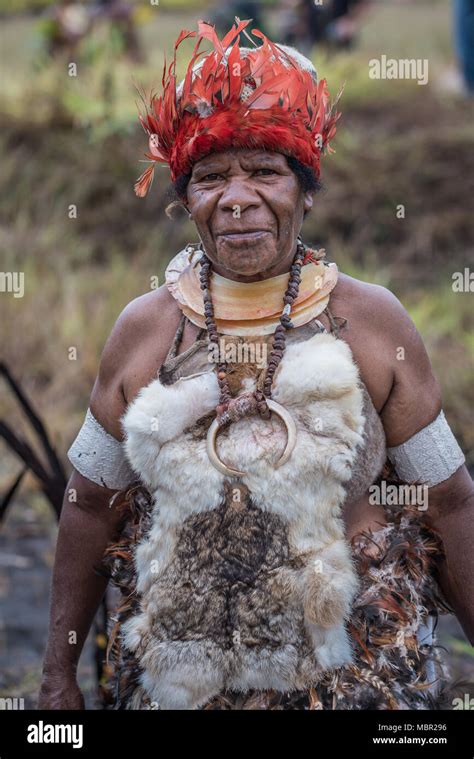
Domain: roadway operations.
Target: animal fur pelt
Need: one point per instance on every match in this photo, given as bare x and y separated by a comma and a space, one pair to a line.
246, 584
391, 669
250, 586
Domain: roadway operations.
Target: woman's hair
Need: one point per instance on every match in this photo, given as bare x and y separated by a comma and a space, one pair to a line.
306, 178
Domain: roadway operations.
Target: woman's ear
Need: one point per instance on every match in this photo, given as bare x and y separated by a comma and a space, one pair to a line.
308, 201
177, 204
185, 206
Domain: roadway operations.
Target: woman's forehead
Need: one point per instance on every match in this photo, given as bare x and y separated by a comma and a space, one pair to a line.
243, 155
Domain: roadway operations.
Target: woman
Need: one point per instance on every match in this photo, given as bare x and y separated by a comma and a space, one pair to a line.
265, 401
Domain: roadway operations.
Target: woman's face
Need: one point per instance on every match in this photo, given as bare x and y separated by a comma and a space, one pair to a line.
248, 208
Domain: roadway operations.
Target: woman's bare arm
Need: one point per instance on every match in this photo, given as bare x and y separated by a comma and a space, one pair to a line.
451, 512
414, 402
131, 357
86, 526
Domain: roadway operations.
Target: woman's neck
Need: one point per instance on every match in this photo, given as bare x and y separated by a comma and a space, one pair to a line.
282, 266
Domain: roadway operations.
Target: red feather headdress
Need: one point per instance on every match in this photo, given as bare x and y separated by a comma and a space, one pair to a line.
240, 98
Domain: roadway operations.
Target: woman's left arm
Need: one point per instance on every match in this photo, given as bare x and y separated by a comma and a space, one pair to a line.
413, 404
451, 513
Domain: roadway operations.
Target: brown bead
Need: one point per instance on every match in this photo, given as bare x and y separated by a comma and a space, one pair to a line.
279, 338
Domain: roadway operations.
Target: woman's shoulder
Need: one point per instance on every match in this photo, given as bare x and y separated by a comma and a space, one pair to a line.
372, 309
367, 297
379, 332
139, 341
132, 354
392, 357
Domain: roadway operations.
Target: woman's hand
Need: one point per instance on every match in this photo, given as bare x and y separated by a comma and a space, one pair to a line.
60, 692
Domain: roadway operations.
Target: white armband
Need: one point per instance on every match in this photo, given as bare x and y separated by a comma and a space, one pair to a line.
99, 457
430, 456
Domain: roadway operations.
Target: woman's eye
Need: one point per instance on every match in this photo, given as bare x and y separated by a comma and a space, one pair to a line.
210, 177
265, 172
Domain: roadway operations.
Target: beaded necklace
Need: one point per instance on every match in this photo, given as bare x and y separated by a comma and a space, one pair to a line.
257, 401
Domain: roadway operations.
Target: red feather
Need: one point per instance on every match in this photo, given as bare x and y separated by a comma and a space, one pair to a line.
286, 111
143, 183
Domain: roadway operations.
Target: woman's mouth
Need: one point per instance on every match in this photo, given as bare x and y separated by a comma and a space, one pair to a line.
244, 235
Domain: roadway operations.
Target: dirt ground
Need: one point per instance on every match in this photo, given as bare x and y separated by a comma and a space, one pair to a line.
27, 544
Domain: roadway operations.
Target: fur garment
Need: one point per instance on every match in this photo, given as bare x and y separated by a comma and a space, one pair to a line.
397, 568
245, 584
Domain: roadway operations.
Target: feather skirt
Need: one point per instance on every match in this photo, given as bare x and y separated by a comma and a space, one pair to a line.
397, 567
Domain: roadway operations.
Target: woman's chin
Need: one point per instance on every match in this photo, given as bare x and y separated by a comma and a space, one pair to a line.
246, 262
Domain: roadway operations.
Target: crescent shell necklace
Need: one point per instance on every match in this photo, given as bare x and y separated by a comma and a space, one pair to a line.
257, 401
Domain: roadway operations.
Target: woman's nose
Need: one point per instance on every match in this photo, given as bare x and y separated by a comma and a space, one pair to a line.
238, 193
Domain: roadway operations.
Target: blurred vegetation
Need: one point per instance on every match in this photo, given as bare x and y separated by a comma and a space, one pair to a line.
26, 7
76, 140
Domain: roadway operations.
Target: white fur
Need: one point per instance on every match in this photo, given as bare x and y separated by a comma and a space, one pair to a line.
318, 382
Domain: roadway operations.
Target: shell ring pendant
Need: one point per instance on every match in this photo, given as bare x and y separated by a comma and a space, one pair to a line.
229, 471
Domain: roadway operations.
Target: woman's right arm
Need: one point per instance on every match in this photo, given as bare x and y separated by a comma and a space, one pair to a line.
86, 526
131, 357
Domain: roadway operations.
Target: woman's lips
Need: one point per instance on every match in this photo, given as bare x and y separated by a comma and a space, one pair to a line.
243, 235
